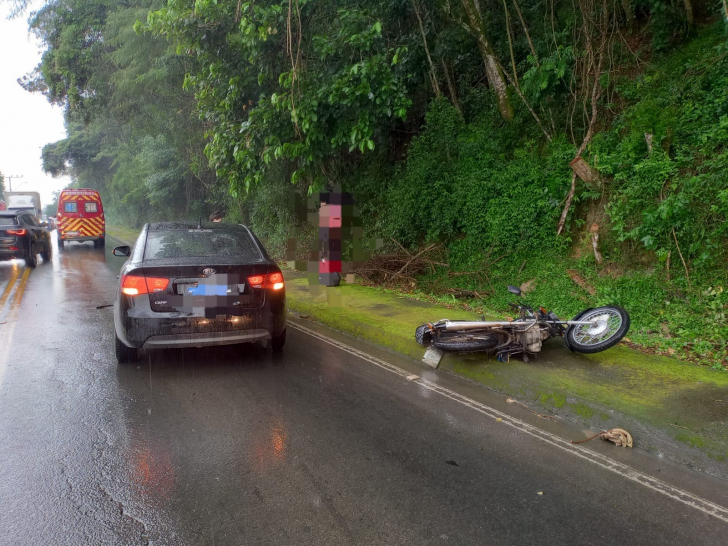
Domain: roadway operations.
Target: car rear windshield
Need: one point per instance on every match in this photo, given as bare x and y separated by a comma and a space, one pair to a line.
195, 243
8, 221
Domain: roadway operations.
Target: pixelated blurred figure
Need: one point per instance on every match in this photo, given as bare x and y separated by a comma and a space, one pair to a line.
330, 244
217, 216
337, 249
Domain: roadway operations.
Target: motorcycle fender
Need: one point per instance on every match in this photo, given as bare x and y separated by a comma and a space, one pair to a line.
566, 334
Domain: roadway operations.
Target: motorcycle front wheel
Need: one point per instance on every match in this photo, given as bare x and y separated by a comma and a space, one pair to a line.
611, 324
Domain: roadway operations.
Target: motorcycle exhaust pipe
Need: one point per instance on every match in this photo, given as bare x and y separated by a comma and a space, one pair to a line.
451, 326
455, 326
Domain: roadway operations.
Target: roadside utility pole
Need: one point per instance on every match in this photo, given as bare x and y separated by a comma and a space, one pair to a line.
9, 178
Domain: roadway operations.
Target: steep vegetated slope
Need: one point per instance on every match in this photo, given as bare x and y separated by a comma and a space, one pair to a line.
579, 147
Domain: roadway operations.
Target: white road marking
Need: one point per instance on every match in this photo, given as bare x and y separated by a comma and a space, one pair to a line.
598, 459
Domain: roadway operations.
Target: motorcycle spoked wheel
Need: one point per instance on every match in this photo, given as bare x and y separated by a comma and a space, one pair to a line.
458, 342
612, 325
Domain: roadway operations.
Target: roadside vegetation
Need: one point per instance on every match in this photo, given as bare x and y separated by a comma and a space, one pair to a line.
579, 148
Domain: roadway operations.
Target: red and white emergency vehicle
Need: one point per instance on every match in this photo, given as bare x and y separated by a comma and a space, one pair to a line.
80, 217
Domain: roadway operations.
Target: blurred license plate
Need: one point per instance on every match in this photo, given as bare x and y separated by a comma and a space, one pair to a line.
72, 233
211, 290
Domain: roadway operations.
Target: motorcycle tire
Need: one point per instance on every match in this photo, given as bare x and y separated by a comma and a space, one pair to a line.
460, 344
591, 339
423, 336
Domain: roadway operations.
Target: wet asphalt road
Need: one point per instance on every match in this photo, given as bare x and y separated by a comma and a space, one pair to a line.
317, 446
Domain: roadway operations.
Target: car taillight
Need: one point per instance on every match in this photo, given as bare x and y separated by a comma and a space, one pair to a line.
275, 280
16, 231
272, 280
157, 284
133, 285
256, 281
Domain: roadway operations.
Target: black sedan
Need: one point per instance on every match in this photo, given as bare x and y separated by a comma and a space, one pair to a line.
22, 236
195, 285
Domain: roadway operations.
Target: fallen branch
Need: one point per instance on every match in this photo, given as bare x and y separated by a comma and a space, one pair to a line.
567, 206
402, 265
687, 273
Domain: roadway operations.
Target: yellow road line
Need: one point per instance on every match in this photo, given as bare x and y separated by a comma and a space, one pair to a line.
21, 289
9, 288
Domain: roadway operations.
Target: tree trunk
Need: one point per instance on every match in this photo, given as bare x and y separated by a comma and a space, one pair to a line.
433, 73
528, 35
629, 14
493, 72
451, 87
689, 13
594, 230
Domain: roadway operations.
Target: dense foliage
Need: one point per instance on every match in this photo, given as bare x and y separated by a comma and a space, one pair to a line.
449, 120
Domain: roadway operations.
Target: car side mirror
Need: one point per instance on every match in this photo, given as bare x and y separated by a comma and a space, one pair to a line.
514, 290
122, 251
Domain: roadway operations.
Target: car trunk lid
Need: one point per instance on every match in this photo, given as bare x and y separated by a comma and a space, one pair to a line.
208, 290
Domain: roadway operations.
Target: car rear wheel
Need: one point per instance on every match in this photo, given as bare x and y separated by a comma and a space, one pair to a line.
47, 254
32, 259
102, 242
125, 354
276, 343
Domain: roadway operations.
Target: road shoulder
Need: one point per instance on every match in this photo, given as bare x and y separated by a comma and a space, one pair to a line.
672, 408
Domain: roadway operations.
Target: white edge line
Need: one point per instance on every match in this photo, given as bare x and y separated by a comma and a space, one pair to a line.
603, 461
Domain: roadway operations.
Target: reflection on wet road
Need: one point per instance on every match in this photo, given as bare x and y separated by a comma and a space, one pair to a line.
234, 446
13, 279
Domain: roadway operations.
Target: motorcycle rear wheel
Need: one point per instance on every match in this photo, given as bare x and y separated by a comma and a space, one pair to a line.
464, 343
612, 325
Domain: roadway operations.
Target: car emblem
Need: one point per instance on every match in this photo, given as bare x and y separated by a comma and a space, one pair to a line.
208, 272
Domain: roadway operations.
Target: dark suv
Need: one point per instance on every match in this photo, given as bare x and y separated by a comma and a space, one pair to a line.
22, 236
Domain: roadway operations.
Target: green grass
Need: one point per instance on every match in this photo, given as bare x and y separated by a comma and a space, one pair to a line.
123, 233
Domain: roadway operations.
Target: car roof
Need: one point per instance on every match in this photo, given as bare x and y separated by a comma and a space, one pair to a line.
170, 226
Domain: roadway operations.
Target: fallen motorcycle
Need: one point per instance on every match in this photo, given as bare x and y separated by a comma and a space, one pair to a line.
591, 331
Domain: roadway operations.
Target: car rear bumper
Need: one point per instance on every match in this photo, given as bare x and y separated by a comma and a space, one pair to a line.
9, 254
205, 339
144, 329
80, 238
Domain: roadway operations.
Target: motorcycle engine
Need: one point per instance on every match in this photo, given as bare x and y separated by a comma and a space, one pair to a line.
533, 339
